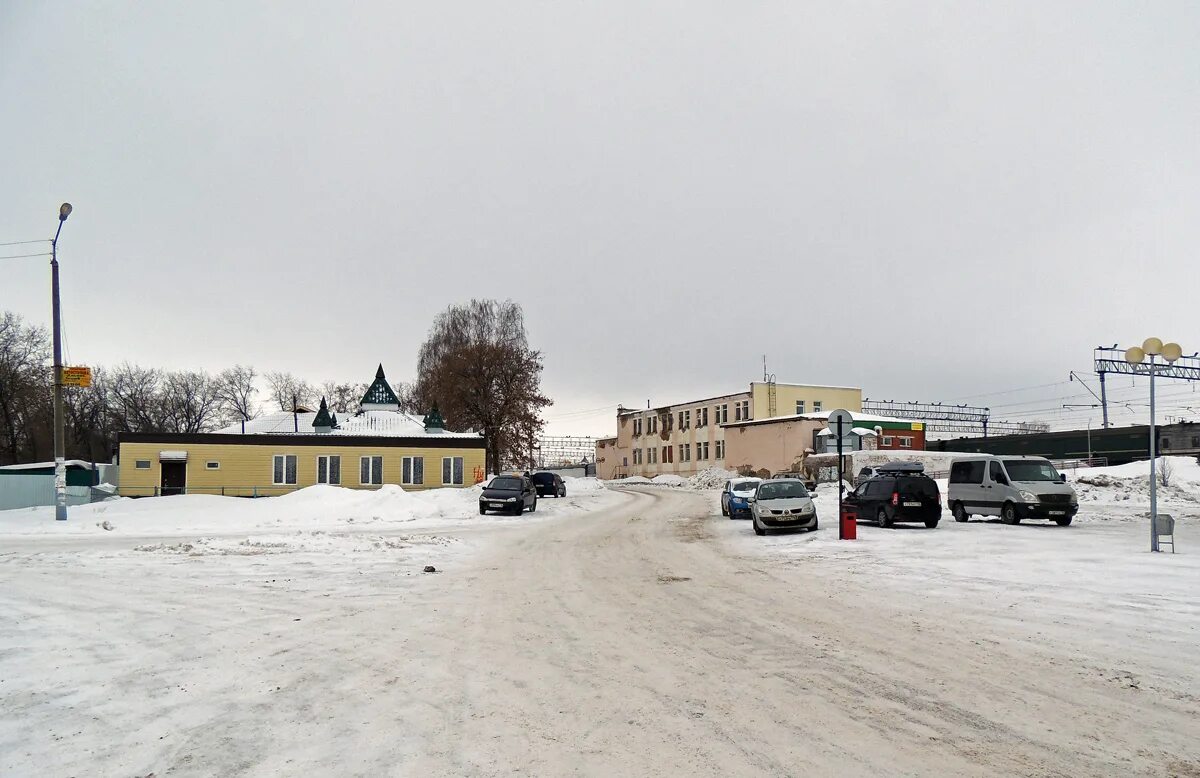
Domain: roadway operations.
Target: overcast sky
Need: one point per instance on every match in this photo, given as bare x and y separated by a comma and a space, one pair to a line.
931, 201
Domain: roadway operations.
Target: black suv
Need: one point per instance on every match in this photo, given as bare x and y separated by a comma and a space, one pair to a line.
549, 485
904, 494
508, 494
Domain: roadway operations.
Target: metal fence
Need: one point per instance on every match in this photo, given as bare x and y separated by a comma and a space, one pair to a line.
29, 491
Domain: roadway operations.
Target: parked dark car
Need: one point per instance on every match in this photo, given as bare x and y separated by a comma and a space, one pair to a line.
508, 494
549, 485
898, 496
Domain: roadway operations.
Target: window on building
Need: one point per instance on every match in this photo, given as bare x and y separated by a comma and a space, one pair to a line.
702, 450
652, 453
816, 406
284, 471
741, 410
412, 471
212, 465
685, 452
702, 413
637, 427
720, 449
1164, 443
905, 442
887, 441
668, 456
687, 419
452, 470
799, 406
653, 424
370, 470
637, 456
329, 470
142, 464
723, 413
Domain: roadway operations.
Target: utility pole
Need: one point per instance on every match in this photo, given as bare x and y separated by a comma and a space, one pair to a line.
60, 461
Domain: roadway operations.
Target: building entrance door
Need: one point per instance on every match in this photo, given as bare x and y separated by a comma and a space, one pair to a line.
174, 477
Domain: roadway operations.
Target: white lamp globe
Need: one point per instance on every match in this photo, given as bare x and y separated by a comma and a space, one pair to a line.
1172, 352
1152, 346
1134, 356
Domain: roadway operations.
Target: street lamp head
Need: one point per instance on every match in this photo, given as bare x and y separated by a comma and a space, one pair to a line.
1172, 352
1152, 346
1134, 356
64, 211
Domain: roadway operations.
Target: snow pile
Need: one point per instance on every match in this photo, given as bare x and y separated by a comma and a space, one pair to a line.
668, 479
312, 508
712, 478
1131, 483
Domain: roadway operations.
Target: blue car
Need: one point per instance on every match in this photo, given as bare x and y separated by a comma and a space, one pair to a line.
734, 497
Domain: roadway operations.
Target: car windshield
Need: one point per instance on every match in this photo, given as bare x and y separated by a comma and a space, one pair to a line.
744, 486
505, 483
1030, 470
776, 491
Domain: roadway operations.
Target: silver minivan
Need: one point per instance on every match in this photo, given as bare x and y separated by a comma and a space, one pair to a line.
1011, 487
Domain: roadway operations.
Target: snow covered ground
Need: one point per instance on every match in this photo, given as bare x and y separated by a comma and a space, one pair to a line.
315, 509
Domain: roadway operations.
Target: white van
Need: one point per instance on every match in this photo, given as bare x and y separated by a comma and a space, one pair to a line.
1011, 487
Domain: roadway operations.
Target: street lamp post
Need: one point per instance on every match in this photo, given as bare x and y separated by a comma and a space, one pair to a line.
1153, 347
60, 462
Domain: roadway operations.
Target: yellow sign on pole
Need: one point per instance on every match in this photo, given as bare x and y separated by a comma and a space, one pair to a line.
77, 376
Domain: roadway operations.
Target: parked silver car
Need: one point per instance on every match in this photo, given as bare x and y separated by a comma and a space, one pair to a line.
782, 503
1011, 487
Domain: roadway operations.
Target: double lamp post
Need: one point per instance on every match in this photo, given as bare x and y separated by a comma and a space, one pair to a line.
1135, 356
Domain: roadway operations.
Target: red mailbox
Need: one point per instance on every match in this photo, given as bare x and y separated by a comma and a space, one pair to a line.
849, 523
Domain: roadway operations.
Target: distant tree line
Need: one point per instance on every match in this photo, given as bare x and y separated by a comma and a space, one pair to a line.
476, 367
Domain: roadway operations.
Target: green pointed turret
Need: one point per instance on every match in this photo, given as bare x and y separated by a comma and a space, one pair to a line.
379, 396
323, 422
434, 421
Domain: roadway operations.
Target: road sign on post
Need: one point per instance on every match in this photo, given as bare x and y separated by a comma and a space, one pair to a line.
76, 376
840, 424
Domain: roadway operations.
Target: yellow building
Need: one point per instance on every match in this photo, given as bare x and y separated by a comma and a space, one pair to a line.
686, 438
282, 452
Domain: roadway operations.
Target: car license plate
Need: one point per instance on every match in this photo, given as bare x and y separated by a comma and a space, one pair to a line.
1058, 513
912, 505
495, 504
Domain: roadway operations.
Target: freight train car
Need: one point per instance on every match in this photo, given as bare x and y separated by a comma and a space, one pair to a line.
1118, 445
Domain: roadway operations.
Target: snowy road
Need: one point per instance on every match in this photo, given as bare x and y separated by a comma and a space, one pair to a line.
649, 638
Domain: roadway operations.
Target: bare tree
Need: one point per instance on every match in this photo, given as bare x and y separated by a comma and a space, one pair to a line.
285, 386
477, 367
235, 394
343, 398
189, 402
133, 398
24, 385
1166, 469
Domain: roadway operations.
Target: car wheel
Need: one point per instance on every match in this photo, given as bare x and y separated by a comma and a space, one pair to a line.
881, 518
1064, 522
533, 507
1008, 514
725, 510
758, 530
960, 513
931, 523
815, 525
482, 510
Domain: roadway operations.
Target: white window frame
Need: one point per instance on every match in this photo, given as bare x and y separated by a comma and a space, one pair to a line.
887, 440
295, 470
462, 475
905, 442
370, 470
720, 449
212, 464
328, 479
141, 464
800, 407
816, 406
408, 464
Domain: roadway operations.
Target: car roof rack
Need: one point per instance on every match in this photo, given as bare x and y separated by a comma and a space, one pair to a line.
903, 468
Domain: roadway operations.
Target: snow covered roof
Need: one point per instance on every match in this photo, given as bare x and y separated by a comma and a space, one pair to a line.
392, 424
860, 431
856, 416
43, 465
